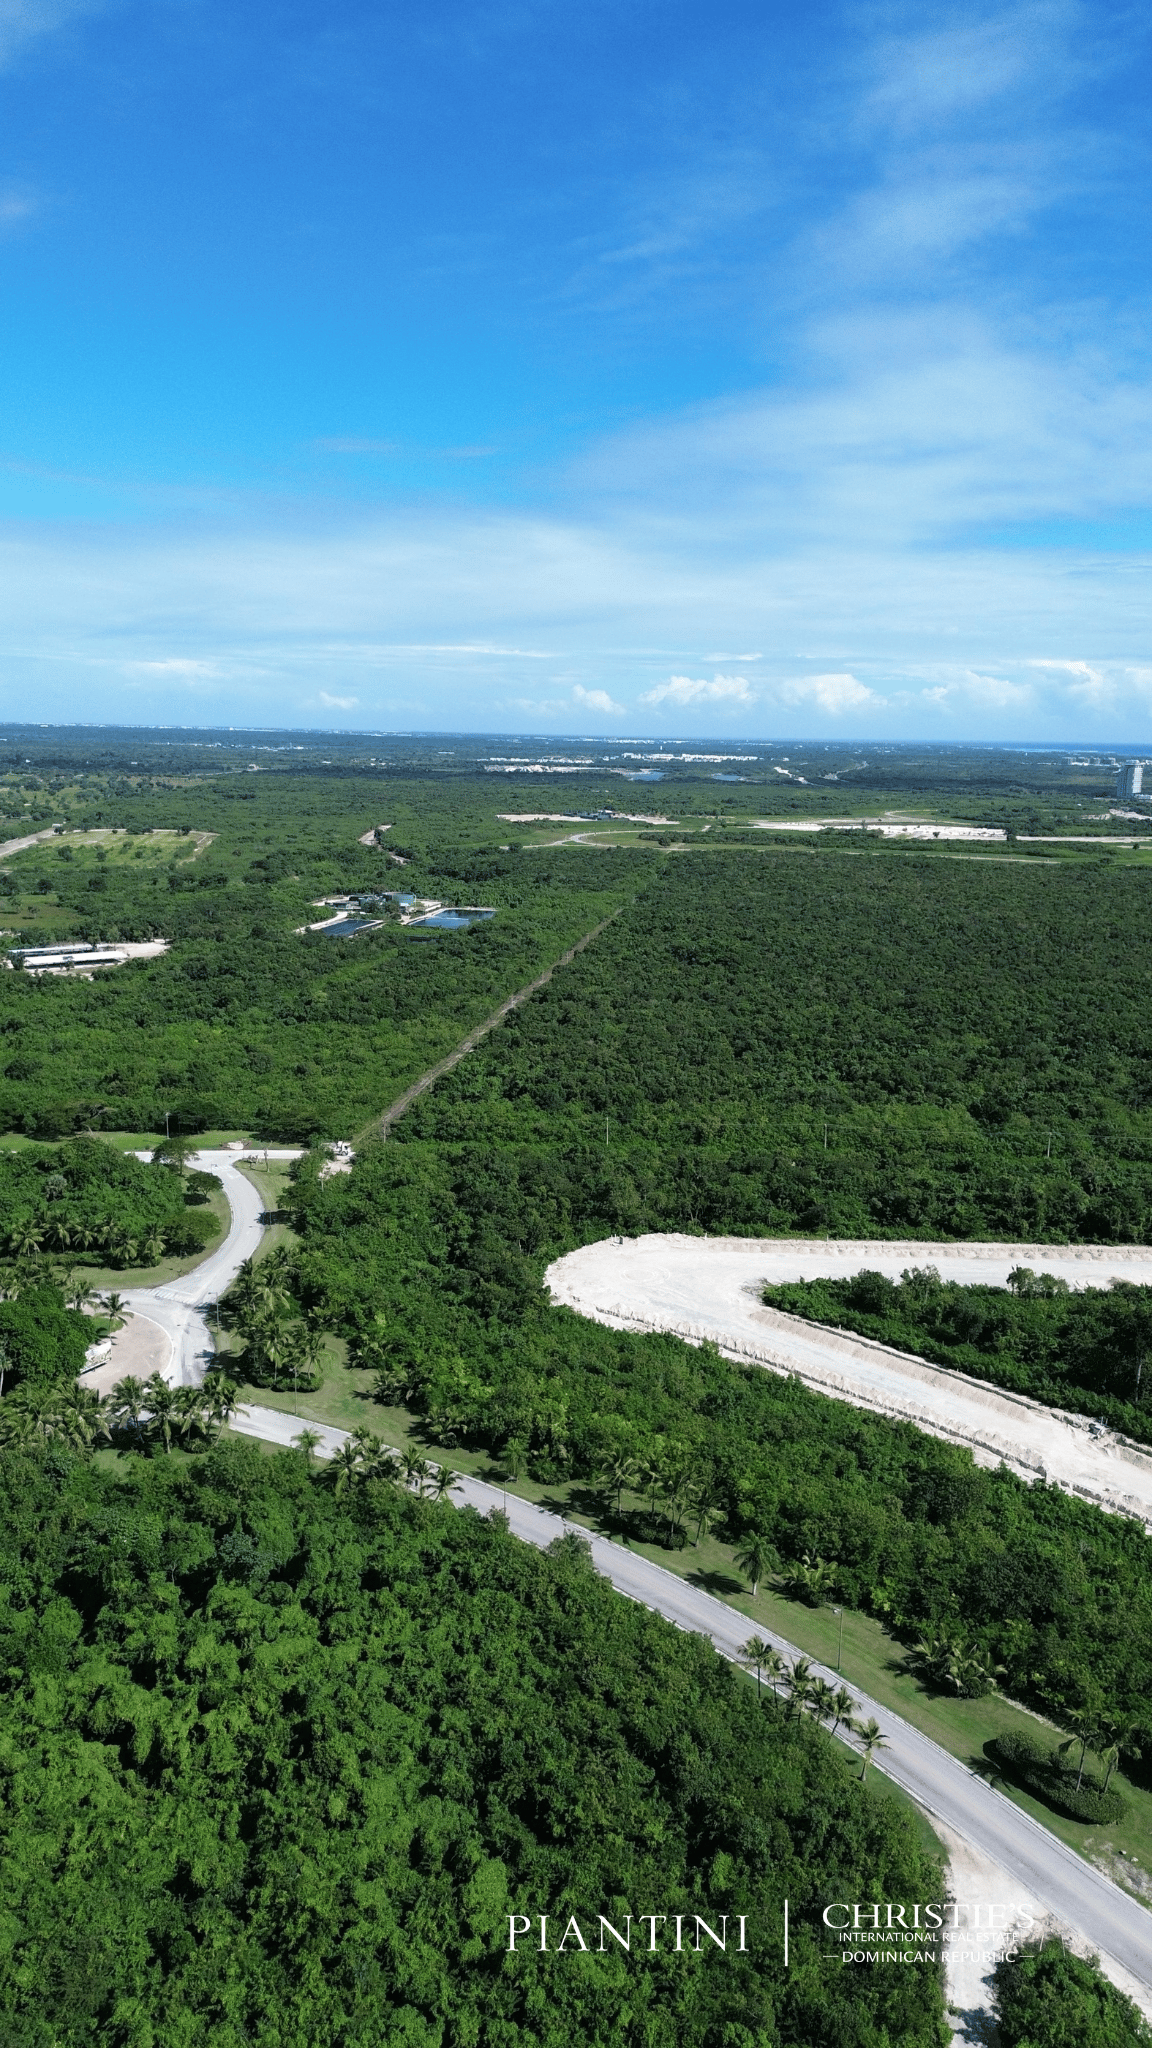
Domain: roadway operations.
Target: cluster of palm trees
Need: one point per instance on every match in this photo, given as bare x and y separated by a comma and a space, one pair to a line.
137, 1414
363, 1457
281, 1349
152, 1412
952, 1664
806, 1692
113, 1241
677, 1495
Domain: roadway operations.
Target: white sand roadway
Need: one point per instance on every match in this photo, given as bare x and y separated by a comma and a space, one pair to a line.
708, 1289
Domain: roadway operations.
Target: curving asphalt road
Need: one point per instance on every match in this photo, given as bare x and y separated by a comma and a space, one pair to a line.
1078, 1896
181, 1307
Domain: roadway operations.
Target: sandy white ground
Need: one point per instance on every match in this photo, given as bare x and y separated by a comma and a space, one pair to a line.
708, 1289
969, 1965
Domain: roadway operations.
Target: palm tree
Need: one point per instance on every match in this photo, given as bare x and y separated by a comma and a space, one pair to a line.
1084, 1723
844, 1705
307, 1442
346, 1465
50, 1415
871, 1740
822, 1699
1109, 1757
303, 1350
757, 1557
80, 1293
755, 1651
623, 1471
444, 1481
416, 1470
127, 1403
810, 1579
774, 1669
25, 1240
382, 1463
153, 1248
116, 1306
190, 1409
799, 1683
222, 1396
163, 1408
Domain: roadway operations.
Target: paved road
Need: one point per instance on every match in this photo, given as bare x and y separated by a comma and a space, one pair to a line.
180, 1307
1079, 1896
709, 1288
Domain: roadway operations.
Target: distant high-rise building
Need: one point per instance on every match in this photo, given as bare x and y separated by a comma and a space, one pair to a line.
1130, 781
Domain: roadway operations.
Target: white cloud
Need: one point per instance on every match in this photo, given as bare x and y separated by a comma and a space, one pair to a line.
685, 690
338, 703
597, 700
832, 694
1087, 683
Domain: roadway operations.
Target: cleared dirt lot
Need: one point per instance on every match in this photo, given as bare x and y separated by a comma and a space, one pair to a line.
708, 1288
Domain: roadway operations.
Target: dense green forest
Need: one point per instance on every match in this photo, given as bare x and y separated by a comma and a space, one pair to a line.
279, 1758
247, 1023
871, 1046
278, 1765
1090, 1351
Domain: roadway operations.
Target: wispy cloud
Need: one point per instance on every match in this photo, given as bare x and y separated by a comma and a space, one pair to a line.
26, 21
175, 665
338, 703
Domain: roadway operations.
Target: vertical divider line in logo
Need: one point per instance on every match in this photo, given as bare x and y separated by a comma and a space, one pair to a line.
785, 1934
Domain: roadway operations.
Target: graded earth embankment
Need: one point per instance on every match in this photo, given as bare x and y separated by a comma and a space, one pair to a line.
708, 1289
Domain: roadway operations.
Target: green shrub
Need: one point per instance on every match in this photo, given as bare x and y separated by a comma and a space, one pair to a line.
43, 1341
1048, 1998
1043, 1771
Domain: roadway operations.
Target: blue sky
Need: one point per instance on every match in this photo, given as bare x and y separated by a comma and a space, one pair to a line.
735, 368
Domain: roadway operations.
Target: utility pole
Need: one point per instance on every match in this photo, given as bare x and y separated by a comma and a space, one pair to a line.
840, 1647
